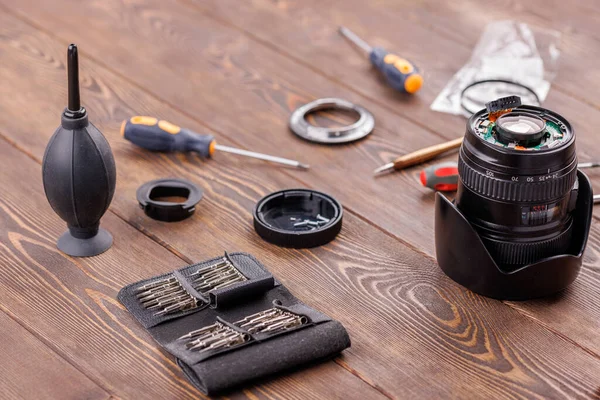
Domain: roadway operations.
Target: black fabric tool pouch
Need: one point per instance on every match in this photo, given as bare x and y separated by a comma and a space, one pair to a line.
247, 330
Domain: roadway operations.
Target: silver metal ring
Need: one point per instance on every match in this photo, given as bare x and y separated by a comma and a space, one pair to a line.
350, 133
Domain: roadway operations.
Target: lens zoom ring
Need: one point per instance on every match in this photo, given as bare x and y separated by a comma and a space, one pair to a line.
499, 189
507, 253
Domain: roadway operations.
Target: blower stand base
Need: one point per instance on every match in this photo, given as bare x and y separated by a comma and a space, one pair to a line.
76, 247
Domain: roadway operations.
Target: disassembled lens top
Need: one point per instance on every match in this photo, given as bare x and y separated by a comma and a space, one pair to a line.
524, 128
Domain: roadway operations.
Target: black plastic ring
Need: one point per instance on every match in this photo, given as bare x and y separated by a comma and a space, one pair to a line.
166, 210
481, 82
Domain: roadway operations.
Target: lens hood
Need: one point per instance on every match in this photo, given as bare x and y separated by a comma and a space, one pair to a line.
462, 255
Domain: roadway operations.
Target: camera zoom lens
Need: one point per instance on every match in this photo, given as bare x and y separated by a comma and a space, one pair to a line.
518, 183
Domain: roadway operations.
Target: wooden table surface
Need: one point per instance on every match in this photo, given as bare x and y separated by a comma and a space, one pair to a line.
237, 69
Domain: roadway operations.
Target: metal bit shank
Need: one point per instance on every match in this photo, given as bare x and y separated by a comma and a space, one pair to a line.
261, 156
354, 38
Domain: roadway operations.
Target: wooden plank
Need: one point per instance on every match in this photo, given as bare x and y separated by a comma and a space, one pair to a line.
295, 23
414, 331
577, 21
142, 259
29, 369
437, 36
71, 302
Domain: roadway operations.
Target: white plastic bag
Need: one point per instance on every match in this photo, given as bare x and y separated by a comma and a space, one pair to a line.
507, 51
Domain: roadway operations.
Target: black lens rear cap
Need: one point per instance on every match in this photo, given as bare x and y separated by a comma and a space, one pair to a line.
298, 218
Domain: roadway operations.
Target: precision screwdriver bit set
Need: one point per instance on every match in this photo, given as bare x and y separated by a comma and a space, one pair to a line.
215, 336
228, 321
271, 320
220, 336
167, 295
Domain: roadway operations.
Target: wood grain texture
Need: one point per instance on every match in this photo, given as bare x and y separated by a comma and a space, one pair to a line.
29, 369
292, 31
415, 332
438, 36
577, 21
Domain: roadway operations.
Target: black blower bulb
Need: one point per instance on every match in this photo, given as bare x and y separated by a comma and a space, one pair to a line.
79, 174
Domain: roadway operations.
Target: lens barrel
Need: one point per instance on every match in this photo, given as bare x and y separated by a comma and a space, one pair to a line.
518, 183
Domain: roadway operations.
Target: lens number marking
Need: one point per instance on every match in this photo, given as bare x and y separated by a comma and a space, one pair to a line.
542, 178
547, 177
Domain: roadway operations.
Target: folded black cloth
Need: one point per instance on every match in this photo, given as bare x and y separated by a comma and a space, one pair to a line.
311, 337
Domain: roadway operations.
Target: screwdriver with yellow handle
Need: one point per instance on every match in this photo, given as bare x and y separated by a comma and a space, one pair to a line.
400, 73
160, 135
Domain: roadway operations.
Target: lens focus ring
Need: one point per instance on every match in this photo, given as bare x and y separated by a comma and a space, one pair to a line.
506, 190
510, 253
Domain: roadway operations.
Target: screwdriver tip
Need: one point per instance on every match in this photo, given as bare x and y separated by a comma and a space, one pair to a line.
303, 166
384, 168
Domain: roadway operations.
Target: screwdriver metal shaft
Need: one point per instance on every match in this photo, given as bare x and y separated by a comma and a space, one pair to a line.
588, 165
354, 38
261, 156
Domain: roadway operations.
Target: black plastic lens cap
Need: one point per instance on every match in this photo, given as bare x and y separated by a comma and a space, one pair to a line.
298, 218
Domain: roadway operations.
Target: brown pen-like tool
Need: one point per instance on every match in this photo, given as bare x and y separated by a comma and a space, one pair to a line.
419, 156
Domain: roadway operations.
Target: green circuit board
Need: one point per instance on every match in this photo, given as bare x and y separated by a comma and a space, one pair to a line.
553, 136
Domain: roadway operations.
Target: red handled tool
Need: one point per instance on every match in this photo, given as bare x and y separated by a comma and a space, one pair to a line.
442, 177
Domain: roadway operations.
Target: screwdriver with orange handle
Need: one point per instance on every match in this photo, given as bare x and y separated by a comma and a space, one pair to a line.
400, 73
159, 135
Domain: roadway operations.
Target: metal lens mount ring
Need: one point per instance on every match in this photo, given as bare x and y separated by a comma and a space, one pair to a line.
358, 130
